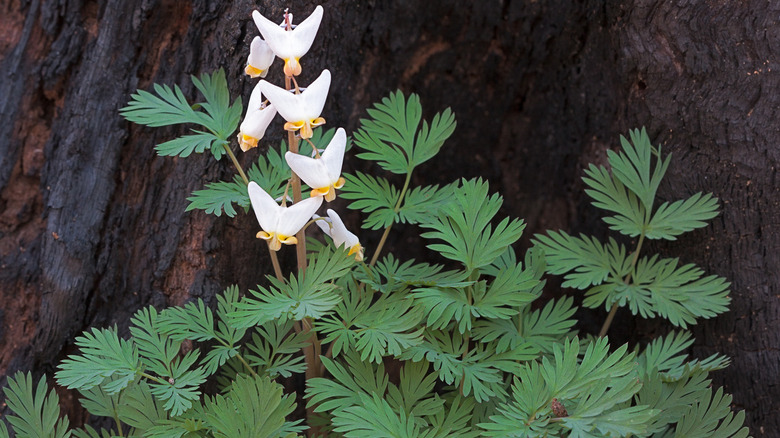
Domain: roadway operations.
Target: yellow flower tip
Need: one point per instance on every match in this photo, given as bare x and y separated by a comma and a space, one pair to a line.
294, 126
274, 244
330, 195
356, 249
306, 131
317, 122
254, 72
339, 183
292, 67
288, 240
246, 142
273, 240
322, 191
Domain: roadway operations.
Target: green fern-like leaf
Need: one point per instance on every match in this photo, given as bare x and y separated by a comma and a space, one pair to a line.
414, 393
139, 409
512, 288
274, 349
423, 204
194, 321
465, 228
584, 260
180, 390
185, 145
348, 382
610, 194
372, 195
178, 383
660, 287
158, 350
391, 136
453, 420
634, 167
539, 329
711, 417
374, 417
225, 117
338, 327
36, 413
255, 407
388, 327
391, 275
311, 295
672, 398
103, 355
270, 172
671, 220
220, 196
170, 107
574, 393
478, 371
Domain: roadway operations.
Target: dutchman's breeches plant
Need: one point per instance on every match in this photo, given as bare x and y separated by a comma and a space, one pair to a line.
472, 350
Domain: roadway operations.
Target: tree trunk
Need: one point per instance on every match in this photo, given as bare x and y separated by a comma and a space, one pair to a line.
92, 222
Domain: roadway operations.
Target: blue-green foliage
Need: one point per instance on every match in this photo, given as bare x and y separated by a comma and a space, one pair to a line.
649, 286
219, 119
36, 410
474, 351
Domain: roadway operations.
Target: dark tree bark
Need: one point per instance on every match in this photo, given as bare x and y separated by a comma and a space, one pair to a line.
92, 222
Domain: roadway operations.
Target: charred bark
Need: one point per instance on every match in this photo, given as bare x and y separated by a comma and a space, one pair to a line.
92, 222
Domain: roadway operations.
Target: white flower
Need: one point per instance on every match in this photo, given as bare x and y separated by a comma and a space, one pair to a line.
322, 174
256, 121
334, 227
280, 224
302, 111
290, 45
260, 58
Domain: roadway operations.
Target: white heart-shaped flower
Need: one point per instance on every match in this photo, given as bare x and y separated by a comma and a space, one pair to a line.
280, 224
301, 110
322, 174
260, 58
335, 228
256, 120
290, 45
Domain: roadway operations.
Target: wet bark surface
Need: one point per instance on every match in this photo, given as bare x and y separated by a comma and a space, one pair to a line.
92, 222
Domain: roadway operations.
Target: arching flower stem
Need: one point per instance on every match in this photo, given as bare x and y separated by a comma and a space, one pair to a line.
314, 148
274, 258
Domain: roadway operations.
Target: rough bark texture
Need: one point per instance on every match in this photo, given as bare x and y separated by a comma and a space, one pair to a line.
92, 223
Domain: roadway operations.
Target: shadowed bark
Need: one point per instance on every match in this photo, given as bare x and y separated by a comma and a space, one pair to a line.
92, 222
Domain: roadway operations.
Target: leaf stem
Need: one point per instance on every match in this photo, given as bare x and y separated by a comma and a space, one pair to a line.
235, 163
387, 229
118, 424
613, 310
152, 378
246, 364
608, 321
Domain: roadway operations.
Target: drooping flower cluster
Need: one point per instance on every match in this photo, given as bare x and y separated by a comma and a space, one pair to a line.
301, 108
